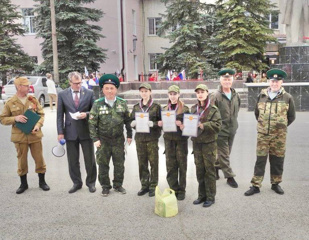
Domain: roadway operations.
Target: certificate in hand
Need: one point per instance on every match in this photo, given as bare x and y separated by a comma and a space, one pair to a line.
142, 119
169, 121
190, 122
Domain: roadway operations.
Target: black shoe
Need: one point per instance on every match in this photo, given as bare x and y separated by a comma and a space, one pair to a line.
75, 188
42, 183
217, 173
92, 189
120, 189
231, 181
105, 192
151, 193
277, 189
208, 203
252, 190
180, 196
24, 184
198, 201
143, 192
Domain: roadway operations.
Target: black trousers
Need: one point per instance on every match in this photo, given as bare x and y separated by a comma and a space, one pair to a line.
74, 165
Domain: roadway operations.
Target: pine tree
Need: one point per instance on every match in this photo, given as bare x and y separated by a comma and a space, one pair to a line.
243, 39
193, 24
76, 37
12, 58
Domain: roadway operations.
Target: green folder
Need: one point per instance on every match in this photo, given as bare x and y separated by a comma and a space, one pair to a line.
27, 127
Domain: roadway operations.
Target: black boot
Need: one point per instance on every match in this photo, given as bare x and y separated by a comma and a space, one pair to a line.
217, 173
42, 182
24, 185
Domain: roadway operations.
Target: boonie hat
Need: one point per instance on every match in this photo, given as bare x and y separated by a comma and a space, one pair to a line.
145, 85
226, 72
21, 81
276, 74
201, 86
109, 79
173, 88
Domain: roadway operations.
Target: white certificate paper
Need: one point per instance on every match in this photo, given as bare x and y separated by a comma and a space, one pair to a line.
169, 121
75, 115
142, 119
190, 122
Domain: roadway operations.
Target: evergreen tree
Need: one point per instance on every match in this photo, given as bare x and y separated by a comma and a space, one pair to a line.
12, 58
189, 25
243, 39
76, 37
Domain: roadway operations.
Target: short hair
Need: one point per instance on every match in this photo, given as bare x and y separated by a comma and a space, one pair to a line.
48, 75
74, 75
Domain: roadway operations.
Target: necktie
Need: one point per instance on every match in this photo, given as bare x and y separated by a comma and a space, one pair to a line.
76, 99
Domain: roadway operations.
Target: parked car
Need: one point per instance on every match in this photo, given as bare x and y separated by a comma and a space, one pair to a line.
38, 89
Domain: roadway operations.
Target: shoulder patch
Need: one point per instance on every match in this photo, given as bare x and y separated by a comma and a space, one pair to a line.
99, 99
121, 99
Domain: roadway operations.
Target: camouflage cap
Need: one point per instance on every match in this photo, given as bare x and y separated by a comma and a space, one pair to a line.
21, 81
109, 79
173, 88
145, 85
201, 86
226, 72
276, 74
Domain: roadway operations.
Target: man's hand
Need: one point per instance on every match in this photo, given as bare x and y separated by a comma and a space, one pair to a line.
160, 123
129, 140
178, 123
35, 129
60, 136
201, 126
97, 144
82, 115
21, 118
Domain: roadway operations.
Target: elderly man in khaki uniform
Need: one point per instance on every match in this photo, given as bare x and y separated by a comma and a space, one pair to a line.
12, 113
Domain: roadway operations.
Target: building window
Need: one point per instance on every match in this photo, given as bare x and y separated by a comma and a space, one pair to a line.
153, 25
273, 21
28, 20
153, 65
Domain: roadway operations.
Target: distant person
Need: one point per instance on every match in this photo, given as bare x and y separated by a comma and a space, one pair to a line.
249, 78
274, 112
175, 77
51, 91
227, 100
77, 100
263, 78
13, 112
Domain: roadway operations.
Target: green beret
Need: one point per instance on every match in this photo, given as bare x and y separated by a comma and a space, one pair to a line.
145, 85
276, 74
109, 79
226, 72
173, 88
201, 86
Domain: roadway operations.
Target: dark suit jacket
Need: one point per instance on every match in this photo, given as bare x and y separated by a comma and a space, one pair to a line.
65, 124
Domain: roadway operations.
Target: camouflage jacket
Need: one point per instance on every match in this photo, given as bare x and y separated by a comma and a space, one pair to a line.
154, 116
228, 110
14, 107
211, 120
274, 114
106, 122
182, 108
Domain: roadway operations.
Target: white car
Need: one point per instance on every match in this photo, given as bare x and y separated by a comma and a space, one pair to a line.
38, 88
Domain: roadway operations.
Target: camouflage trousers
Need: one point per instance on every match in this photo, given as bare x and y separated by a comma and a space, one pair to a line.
176, 153
111, 149
147, 152
204, 159
273, 146
223, 158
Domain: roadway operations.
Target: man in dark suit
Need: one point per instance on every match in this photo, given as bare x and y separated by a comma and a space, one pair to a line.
76, 132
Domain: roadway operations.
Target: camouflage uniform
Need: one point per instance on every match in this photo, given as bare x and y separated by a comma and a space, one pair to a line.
176, 152
147, 146
273, 117
106, 124
229, 112
205, 150
23, 142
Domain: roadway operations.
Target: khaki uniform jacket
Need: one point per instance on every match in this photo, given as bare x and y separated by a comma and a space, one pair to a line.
211, 120
274, 114
228, 110
15, 107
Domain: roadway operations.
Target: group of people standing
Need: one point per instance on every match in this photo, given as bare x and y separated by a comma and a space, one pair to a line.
101, 123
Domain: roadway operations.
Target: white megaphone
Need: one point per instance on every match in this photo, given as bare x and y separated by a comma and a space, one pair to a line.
59, 151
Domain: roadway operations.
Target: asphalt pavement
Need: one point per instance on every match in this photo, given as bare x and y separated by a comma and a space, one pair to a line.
56, 214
